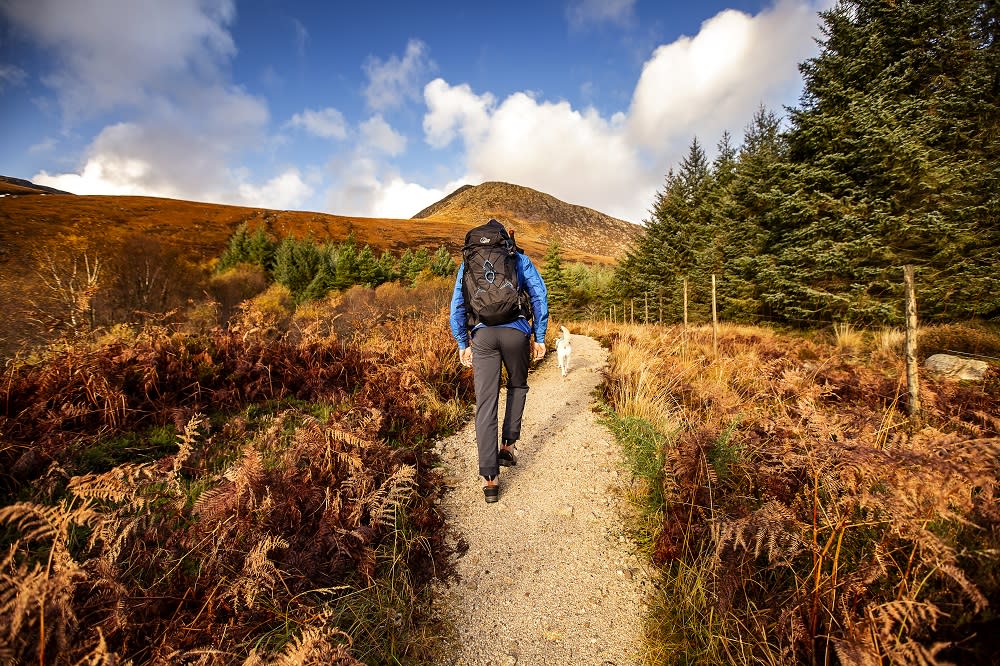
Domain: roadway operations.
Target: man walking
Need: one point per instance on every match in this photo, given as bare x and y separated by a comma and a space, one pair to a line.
489, 319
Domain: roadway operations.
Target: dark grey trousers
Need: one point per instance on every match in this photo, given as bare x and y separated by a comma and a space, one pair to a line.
491, 347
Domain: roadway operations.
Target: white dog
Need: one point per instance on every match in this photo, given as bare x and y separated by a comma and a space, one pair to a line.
563, 350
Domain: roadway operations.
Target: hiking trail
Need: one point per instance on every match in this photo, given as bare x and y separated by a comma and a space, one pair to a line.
547, 575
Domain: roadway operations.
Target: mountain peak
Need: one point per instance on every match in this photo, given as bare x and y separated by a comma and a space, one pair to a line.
539, 214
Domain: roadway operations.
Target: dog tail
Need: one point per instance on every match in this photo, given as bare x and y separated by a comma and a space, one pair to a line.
565, 332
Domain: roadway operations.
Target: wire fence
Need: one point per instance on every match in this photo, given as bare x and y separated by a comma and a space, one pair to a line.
649, 309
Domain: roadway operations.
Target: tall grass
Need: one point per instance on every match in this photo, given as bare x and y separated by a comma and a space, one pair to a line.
801, 520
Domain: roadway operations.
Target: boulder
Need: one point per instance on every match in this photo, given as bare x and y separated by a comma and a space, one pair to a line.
956, 367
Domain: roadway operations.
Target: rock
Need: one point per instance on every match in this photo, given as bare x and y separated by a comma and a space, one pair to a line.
956, 367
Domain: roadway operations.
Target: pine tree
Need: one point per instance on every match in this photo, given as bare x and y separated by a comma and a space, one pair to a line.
554, 276
891, 164
348, 273
753, 205
677, 238
442, 264
260, 249
324, 280
368, 268
387, 266
297, 263
237, 249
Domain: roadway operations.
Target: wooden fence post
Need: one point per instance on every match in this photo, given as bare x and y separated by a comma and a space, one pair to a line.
685, 303
715, 323
912, 371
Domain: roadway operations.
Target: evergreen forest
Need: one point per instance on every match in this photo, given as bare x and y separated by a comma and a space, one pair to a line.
889, 159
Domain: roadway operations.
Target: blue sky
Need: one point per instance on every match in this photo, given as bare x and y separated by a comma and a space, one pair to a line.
381, 108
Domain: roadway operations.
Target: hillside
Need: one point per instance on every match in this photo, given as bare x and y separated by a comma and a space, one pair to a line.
17, 186
132, 234
536, 216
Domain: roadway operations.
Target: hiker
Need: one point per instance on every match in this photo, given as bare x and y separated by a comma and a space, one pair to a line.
495, 284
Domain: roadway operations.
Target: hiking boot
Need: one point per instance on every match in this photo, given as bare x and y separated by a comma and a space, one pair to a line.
506, 457
492, 493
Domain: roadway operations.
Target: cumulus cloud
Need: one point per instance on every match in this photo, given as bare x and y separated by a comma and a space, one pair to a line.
380, 136
396, 80
455, 109
585, 13
327, 123
576, 156
163, 67
371, 190
693, 87
121, 52
713, 81
286, 190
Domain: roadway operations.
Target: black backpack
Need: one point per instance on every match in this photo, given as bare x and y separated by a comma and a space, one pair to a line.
489, 280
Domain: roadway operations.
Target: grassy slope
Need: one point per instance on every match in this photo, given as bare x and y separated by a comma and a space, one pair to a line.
32, 225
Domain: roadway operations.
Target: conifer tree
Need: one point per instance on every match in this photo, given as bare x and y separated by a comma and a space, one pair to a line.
260, 249
369, 271
676, 239
891, 164
237, 249
348, 273
297, 262
442, 264
553, 274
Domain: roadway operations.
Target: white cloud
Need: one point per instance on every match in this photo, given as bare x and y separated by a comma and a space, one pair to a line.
122, 52
579, 157
713, 81
11, 75
584, 13
393, 82
46, 145
287, 190
327, 123
379, 135
399, 199
455, 109
162, 67
694, 87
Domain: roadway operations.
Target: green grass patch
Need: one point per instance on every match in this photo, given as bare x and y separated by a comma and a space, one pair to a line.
142, 446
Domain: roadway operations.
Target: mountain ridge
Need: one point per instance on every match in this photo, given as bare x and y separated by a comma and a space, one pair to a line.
535, 213
10, 186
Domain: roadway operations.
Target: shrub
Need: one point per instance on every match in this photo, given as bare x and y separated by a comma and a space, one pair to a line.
970, 338
235, 285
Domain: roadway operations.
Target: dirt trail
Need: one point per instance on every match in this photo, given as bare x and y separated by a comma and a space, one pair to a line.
548, 577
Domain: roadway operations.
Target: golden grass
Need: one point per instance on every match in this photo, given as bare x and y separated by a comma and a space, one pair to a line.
847, 338
801, 520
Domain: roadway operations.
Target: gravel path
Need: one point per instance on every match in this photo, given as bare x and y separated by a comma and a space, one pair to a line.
547, 574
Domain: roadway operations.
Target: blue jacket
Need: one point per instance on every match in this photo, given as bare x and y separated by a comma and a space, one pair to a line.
530, 280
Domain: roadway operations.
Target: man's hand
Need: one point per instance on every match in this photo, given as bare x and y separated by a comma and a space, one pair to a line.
538, 350
465, 357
